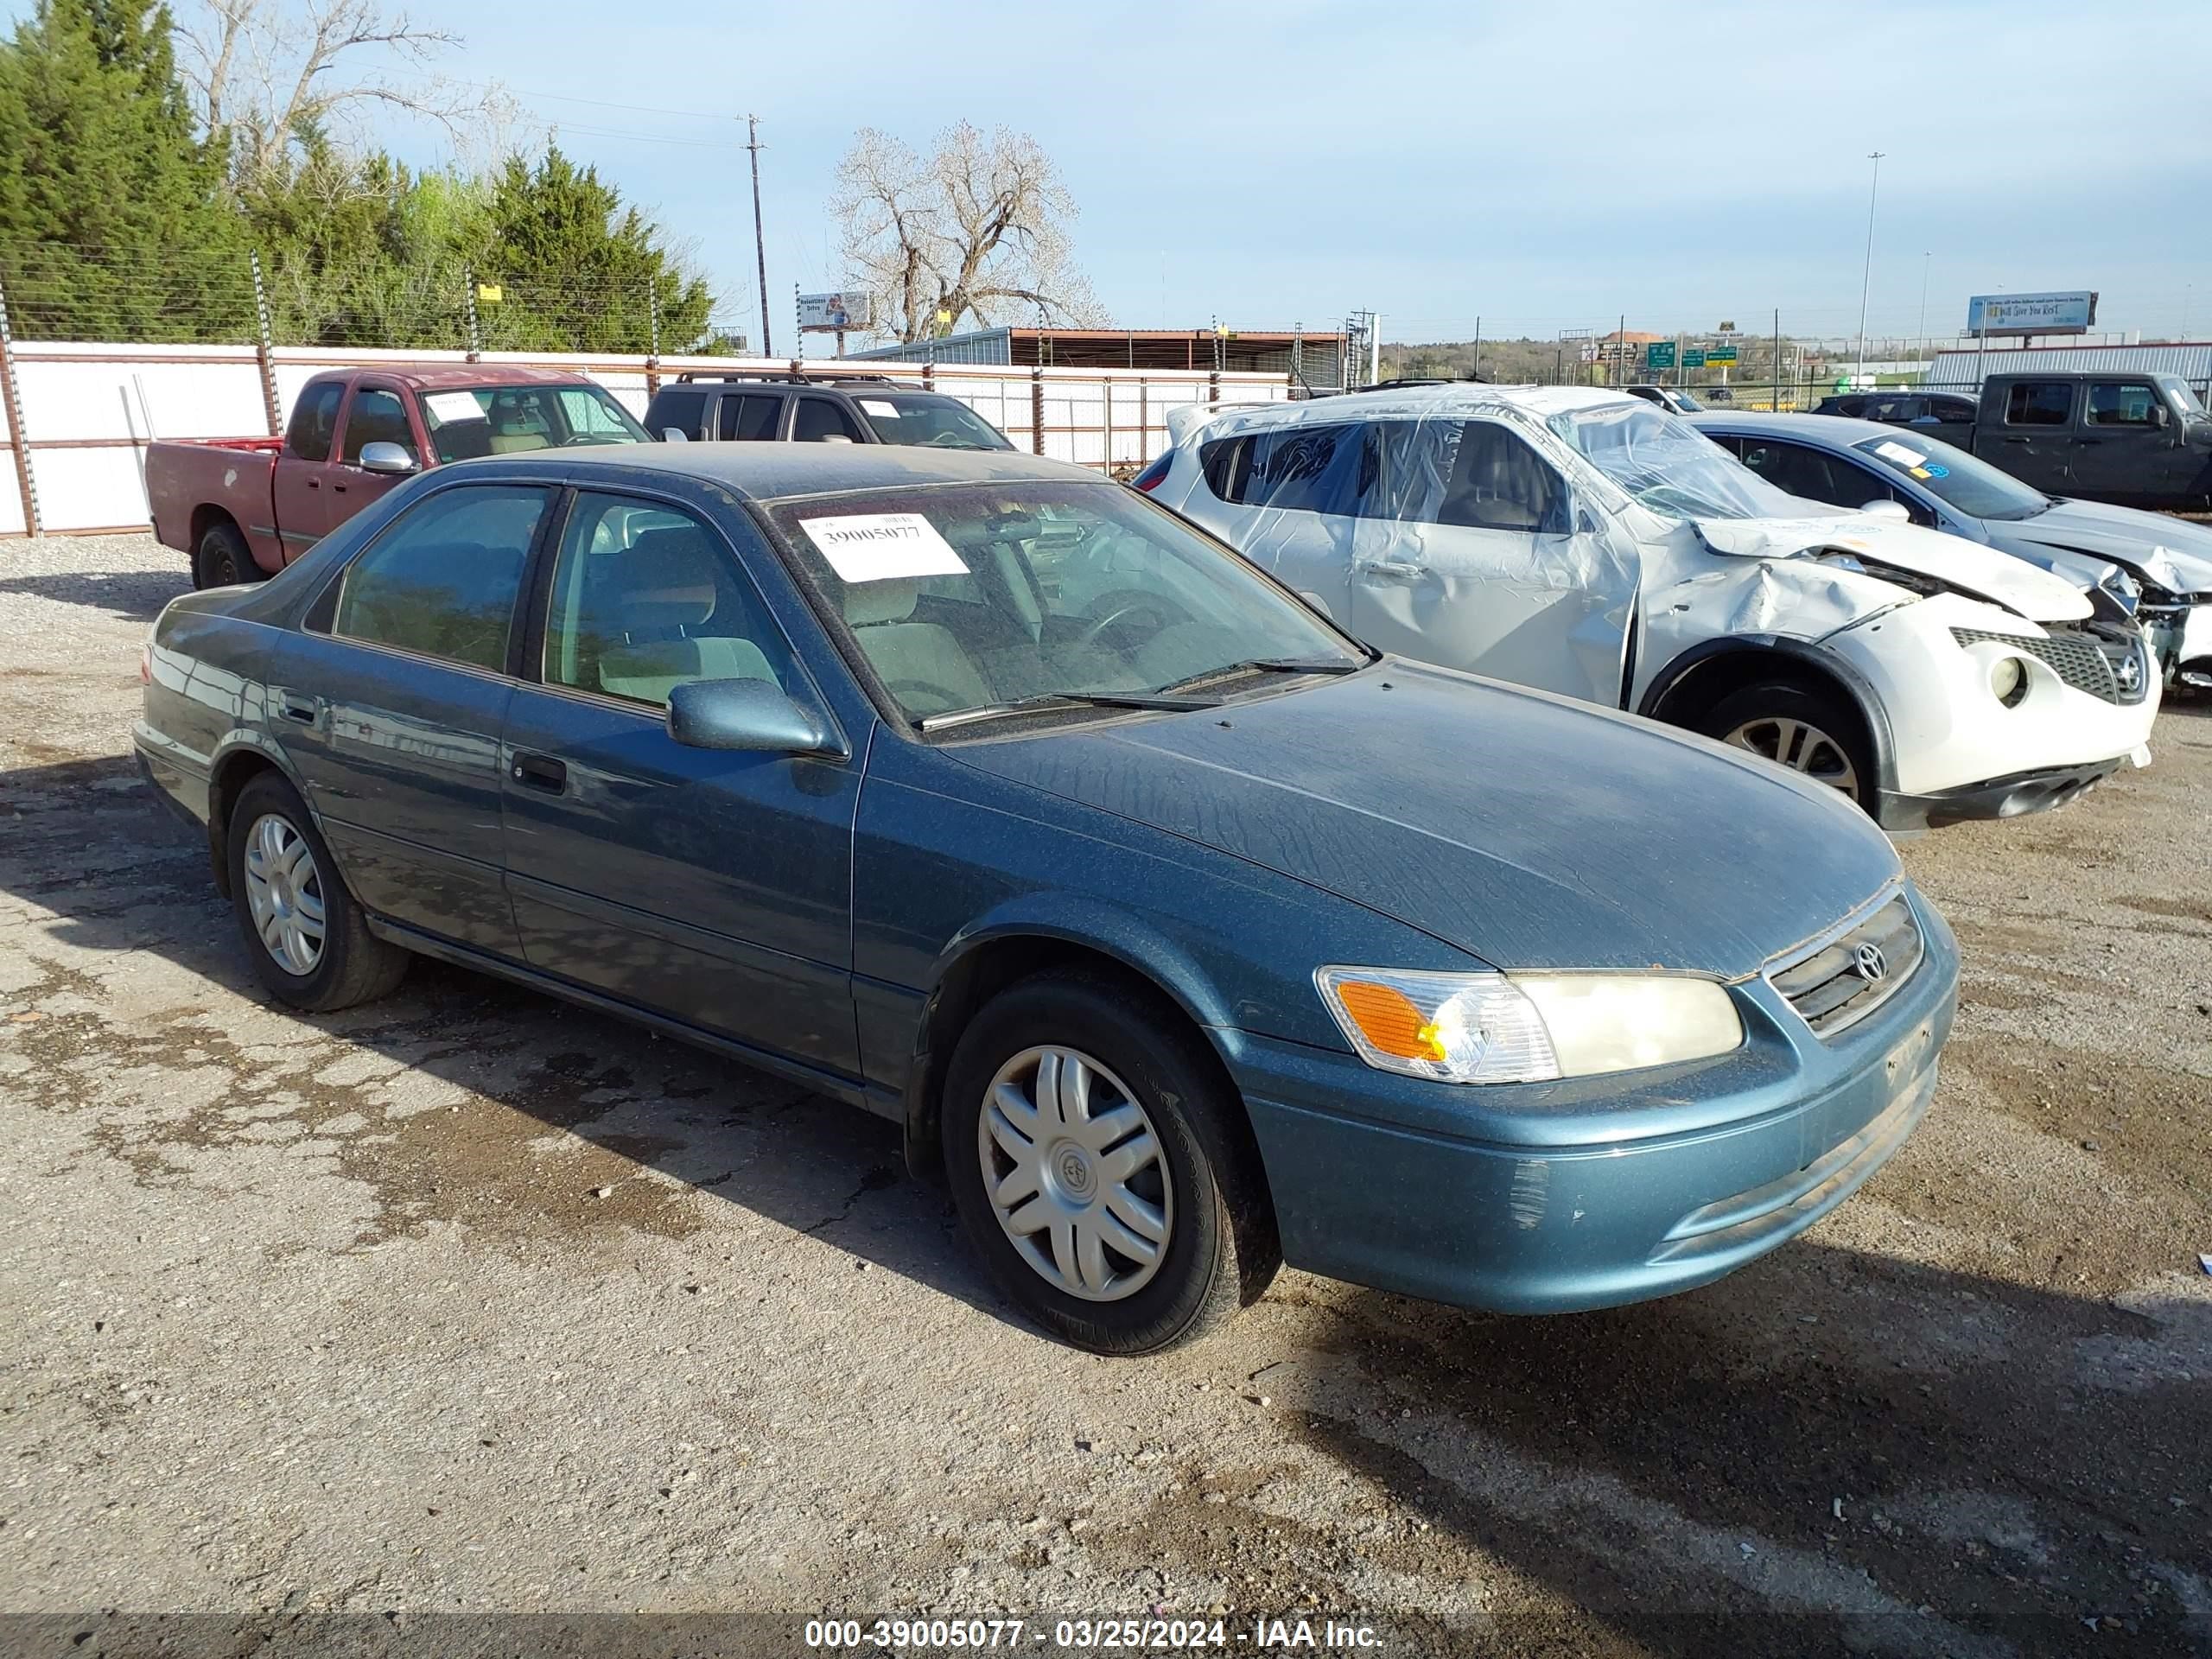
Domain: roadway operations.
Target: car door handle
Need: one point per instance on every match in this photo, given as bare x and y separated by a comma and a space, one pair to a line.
2019, 440
2085, 442
306, 711
1398, 569
540, 771
339, 488
315, 483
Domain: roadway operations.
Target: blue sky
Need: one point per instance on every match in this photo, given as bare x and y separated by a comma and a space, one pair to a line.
1539, 165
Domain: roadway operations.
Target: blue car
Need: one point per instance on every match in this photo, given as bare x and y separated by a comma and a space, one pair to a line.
1183, 935
2166, 561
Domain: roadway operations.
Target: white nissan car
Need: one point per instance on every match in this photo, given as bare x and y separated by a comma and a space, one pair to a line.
1589, 544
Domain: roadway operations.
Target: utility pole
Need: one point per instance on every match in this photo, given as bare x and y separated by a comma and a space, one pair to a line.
1925, 260
1867, 276
760, 242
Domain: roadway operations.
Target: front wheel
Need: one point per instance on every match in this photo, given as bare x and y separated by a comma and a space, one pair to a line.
310, 941
1813, 732
1101, 1169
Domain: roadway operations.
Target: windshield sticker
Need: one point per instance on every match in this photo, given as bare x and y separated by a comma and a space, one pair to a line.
1934, 469
453, 405
1899, 453
877, 406
883, 546
1920, 472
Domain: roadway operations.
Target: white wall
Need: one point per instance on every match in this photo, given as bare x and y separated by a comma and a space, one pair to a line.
89, 408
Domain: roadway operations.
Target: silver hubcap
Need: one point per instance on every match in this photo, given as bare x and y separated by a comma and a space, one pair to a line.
1800, 747
1074, 1173
283, 894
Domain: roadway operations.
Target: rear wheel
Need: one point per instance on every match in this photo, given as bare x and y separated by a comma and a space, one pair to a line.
223, 560
1101, 1169
310, 941
1814, 733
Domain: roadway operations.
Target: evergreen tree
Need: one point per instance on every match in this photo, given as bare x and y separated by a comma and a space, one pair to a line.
575, 266
109, 224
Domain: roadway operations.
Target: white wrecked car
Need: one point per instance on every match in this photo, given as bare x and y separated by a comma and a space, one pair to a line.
1590, 543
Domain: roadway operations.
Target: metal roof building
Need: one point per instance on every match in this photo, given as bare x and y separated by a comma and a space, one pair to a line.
1314, 359
1964, 368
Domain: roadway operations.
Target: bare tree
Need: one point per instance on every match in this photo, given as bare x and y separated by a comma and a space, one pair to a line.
266, 71
976, 228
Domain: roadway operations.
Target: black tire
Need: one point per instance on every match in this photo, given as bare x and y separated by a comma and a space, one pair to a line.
352, 964
1221, 1251
1794, 708
223, 560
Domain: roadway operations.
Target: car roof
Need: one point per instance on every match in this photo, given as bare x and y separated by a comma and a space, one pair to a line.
1450, 398
433, 376
1839, 430
768, 472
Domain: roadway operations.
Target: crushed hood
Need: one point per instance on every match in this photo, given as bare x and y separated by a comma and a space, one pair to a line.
1979, 572
1530, 830
2171, 552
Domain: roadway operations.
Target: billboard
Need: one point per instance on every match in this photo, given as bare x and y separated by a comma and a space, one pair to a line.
2031, 313
823, 314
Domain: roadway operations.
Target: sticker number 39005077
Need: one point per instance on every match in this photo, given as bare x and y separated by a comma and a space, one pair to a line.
882, 546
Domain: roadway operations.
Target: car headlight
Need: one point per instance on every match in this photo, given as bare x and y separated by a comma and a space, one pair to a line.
1528, 1028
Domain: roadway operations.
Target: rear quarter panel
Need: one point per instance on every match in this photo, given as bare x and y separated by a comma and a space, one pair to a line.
233, 475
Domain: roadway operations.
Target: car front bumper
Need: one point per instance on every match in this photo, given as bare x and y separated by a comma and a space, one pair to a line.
1549, 1198
1929, 665
1998, 797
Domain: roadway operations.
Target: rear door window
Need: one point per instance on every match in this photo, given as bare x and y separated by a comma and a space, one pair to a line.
443, 578
2122, 402
315, 420
2039, 403
750, 418
1304, 468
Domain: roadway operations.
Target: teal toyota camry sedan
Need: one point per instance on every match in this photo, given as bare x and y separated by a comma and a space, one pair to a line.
1184, 935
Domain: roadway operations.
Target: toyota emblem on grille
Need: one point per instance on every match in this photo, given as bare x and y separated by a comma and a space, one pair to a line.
1873, 967
2131, 672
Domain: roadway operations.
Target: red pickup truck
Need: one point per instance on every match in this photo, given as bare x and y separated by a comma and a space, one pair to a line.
244, 508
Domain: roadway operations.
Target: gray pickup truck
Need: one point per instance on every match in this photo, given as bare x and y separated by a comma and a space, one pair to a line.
2133, 439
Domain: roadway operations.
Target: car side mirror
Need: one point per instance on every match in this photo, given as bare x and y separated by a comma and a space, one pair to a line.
749, 717
2158, 414
1888, 509
390, 459
674, 434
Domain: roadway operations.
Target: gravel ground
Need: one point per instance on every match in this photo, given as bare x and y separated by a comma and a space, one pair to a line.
472, 1303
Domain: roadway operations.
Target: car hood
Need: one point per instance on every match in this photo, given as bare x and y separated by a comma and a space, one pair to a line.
1977, 571
1530, 830
2171, 552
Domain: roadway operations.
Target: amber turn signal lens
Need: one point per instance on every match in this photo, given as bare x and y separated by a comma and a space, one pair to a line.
1389, 1020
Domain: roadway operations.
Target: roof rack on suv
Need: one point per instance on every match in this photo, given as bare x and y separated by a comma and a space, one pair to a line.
788, 379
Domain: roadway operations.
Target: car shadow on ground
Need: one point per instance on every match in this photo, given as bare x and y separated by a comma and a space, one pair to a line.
85, 840
134, 595
1831, 1450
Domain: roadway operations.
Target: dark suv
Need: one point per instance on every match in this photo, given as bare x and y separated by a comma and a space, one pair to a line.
845, 409
1938, 411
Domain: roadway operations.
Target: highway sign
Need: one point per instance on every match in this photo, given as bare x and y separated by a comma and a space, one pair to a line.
1659, 354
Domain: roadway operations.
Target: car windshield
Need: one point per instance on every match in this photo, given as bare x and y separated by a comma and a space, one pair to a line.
1975, 487
1669, 465
931, 419
971, 596
507, 420
2183, 392
1686, 403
